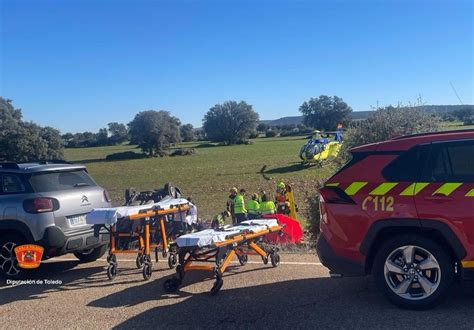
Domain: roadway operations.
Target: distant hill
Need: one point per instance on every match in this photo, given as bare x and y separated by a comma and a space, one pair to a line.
361, 115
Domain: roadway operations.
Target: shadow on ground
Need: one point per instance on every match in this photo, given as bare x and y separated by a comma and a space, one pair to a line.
70, 276
286, 169
304, 303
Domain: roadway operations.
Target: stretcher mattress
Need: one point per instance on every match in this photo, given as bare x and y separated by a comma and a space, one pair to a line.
109, 215
209, 237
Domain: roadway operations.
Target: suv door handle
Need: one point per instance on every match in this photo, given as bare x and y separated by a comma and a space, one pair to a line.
438, 198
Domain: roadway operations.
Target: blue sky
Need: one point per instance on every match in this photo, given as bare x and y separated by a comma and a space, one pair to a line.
77, 65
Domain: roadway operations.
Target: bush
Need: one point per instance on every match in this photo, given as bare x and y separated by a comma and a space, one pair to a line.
387, 123
311, 212
184, 152
270, 133
125, 155
253, 135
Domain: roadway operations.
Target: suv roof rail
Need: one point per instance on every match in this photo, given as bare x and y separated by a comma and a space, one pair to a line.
9, 165
53, 161
467, 130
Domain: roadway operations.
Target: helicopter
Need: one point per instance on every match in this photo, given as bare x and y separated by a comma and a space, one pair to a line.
322, 146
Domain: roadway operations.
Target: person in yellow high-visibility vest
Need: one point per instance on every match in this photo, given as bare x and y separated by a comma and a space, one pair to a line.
239, 207
253, 207
267, 206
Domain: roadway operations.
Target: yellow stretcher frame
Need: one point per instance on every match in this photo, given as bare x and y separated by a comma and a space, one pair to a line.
241, 245
144, 240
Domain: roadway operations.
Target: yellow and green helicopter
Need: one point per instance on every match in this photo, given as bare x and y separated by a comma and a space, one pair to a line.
323, 146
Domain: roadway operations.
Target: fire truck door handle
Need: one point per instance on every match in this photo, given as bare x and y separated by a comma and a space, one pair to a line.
439, 198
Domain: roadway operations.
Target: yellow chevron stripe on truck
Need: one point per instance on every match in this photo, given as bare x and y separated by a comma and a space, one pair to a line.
447, 188
354, 187
414, 189
383, 188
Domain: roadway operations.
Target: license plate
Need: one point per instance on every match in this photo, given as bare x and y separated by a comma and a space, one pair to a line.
77, 220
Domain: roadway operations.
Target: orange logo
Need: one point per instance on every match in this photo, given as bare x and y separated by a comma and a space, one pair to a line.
29, 256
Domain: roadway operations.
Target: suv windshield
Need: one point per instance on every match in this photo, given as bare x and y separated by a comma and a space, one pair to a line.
57, 181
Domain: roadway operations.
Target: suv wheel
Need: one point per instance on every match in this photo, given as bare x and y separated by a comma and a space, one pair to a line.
413, 272
8, 264
92, 254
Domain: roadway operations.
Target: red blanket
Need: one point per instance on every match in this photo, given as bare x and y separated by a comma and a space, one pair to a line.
292, 232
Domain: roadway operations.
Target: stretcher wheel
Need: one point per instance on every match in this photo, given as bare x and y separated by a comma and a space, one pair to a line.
172, 260
112, 271
156, 254
180, 272
140, 260
171, 285
243, 259
112, 259
275, 259
217, 284
265, 260
147, 270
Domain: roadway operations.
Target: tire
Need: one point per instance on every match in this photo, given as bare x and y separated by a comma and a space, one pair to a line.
172, 261
8, 264
147, 270
91, 255
243, 259
112, 271
413, 272
140, 261
275, 259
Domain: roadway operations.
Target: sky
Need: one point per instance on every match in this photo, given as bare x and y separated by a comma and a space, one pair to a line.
78, 65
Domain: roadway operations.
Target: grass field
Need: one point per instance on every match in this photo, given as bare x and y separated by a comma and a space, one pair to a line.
207, 176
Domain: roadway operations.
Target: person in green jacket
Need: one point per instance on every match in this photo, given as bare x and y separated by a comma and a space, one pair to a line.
253, 207
267, 206
239, 207
219, 219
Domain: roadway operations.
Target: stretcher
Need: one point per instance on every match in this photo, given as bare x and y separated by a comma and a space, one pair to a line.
213, 250
150, 230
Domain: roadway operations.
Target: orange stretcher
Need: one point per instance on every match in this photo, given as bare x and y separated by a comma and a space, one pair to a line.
151, 224
237, 241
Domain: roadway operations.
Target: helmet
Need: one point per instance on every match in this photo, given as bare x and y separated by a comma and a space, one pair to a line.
234, 190
254, 197
281, 185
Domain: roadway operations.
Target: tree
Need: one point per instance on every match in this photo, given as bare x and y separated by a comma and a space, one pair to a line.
154, 131
102, 137
118, 133
187, 133
466, 115
22, 141
262, 127
230, 122
325, 112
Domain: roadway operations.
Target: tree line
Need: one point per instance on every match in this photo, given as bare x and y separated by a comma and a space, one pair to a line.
153, 131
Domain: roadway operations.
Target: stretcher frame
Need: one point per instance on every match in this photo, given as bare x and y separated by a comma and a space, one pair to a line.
144, 235
217, 258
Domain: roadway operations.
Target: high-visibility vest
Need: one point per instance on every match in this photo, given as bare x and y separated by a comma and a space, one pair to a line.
253, 207
239, 204
267, 207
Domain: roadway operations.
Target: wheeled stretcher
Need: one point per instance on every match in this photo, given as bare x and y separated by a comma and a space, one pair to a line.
151, 228
214, 249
